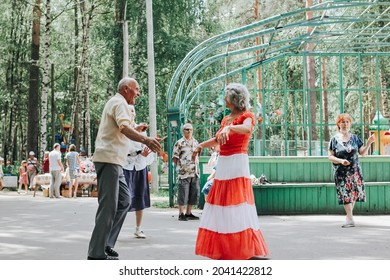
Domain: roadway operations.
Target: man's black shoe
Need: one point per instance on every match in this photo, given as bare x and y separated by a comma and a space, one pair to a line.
191, 217
107, 258
182, 217
111, 252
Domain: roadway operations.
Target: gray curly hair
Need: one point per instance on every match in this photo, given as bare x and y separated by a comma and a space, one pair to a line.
238, 95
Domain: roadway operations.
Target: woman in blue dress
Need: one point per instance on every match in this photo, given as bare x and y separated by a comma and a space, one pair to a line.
344, 150
135, 169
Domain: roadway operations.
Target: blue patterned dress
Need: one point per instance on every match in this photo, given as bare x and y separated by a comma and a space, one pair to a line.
348, 179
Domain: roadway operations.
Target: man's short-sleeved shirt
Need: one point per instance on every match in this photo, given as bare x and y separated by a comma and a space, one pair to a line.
112, 145
183, 150
54, 156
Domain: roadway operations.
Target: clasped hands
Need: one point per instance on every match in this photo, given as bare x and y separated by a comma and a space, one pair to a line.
222, 138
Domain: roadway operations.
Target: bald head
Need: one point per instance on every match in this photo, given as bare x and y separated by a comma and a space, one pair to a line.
124, 82
129, 89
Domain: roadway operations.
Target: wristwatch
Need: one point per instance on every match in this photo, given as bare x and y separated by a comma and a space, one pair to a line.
134, 154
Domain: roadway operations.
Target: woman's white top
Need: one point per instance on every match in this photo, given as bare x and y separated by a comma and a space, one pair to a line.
135, 159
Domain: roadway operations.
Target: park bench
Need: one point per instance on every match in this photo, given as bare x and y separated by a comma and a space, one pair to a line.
10, 182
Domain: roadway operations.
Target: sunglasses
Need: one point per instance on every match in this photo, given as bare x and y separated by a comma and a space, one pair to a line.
187, 129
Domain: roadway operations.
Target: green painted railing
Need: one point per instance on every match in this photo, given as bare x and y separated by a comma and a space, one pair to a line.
315, 169
304, 185
317, 198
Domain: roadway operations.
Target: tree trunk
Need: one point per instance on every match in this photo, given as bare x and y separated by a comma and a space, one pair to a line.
74, 119
120, 11
125, 45
259, 75
78, 124
384, 94
22, 152
11, 131
325, 101
151, 87
16, 73
14, 142
369, 98
75, 123
53, 108
86, 19
310, 68
45, 78
74, 130
33, 117
88, 146
4, 144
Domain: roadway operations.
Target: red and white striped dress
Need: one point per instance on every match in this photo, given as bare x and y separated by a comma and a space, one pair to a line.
229, 228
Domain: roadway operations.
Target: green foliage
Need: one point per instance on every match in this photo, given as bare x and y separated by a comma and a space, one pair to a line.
179, 26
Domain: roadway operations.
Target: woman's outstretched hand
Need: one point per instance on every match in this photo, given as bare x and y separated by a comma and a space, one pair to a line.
223, 136
196, 153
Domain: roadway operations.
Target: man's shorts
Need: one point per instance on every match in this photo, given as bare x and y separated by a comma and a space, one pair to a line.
188, 191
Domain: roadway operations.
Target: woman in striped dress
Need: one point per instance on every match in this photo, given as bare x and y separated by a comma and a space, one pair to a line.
229, 227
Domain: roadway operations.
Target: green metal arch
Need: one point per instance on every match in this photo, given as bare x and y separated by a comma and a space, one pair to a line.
338, 28
340, 38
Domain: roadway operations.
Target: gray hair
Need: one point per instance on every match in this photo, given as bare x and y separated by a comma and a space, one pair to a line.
238, 95
124, 82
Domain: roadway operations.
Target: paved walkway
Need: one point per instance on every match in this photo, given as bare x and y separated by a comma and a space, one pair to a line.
59, 229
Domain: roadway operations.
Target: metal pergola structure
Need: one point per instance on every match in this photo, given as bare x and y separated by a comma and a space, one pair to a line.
344, 34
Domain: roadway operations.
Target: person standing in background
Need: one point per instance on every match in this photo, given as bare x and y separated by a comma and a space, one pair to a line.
32, 168
73, 163
56, 169
136, 175
46, 165
23, 180
343, 152
188, 173
9, 168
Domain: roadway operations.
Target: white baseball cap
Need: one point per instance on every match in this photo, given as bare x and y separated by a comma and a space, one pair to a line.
31, 153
